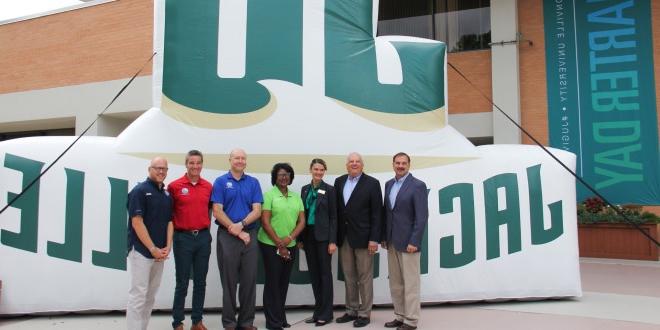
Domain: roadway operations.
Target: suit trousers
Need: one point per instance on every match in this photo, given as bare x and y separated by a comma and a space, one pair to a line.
319, 263
276, 286
237, 263
146, 274
358, 268
404, 274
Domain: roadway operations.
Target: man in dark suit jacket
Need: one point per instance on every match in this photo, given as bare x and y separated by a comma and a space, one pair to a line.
359, 207
406, 213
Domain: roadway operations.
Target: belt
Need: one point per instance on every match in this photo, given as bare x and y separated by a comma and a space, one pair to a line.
191, 232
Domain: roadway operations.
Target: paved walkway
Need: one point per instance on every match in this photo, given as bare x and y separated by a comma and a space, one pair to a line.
618, 294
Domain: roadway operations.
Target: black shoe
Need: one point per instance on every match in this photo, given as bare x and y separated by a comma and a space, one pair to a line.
394, 324
286, 325
321, 323
406, 327
310, 320
361, 322
346, 318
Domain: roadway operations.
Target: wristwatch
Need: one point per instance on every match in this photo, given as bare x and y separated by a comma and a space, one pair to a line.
243, 223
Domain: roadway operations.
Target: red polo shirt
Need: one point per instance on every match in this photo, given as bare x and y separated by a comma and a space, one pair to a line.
191, 203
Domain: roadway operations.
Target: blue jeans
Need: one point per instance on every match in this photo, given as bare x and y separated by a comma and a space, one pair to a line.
191, 252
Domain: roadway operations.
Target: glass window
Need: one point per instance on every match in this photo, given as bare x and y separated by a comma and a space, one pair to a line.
49, 132
462, 24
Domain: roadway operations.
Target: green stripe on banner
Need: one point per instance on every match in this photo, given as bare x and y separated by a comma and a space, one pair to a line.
601, 95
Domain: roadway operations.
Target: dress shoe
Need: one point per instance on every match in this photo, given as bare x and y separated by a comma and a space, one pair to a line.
249, 327
286, 325
198, 326
230, 328
406, 327
361, 322
179, 327
346, 318
310, 320
394, 324
321, 323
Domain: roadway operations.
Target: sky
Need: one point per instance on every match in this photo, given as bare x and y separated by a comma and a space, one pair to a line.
10, 9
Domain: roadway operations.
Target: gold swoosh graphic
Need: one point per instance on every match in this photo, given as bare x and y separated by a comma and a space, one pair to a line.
205, 119
263, 163
417, 122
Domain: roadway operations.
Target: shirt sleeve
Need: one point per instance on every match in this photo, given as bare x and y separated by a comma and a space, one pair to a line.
301, 207
268, 201
257, 195
218, 192
136, 202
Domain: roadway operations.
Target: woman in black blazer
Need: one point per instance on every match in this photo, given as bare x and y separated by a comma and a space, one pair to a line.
319, 239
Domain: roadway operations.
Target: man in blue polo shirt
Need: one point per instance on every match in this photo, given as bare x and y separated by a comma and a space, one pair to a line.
150, 233
237, 202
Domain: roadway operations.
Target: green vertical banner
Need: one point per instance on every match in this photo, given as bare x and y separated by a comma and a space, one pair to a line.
601, 95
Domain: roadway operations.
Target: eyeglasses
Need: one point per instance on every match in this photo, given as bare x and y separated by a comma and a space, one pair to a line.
283, 175
160, 169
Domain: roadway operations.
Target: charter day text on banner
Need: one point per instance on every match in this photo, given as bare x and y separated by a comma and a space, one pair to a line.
601, 95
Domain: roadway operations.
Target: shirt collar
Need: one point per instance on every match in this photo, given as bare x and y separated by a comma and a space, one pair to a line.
186, 179
231, 176
354, 179
403, 178
279, 193
155, 185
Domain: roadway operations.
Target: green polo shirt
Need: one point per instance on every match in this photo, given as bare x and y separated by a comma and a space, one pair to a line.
284, 214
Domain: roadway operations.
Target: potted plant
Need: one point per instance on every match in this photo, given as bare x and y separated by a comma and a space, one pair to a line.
604, 233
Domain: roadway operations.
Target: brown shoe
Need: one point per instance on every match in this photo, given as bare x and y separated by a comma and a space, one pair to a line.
198, 326
230, 328
394, 324
249, 327
179, 327
406, 327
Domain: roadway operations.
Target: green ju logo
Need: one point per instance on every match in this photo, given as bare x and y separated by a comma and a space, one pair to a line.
216, 52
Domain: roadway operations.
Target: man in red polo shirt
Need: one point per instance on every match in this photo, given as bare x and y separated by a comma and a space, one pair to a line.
192, 240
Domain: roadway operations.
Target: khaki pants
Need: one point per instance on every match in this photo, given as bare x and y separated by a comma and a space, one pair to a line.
145, 280
358, 267
404, 274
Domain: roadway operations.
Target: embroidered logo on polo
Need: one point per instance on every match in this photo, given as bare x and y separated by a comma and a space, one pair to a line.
184, 191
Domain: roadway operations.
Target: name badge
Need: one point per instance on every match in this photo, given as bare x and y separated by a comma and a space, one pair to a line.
321, 191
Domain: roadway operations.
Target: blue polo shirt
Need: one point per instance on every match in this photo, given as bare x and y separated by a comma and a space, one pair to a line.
154, 204
237, 196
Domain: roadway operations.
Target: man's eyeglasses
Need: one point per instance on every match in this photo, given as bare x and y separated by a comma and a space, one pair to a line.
160, 169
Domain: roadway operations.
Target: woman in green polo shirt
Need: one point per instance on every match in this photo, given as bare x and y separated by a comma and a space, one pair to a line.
282, 220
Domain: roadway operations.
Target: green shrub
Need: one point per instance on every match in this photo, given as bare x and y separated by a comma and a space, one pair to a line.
594, 210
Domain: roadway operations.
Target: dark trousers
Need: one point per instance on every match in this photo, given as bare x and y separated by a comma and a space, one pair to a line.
320, 273
237, 263
278, 272
190, 252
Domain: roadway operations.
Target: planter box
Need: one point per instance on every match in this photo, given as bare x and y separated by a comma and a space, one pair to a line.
617, 241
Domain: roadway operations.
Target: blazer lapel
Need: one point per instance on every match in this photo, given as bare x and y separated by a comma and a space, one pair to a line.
318, 198
388, 189
404, 186
356, 189
340, 189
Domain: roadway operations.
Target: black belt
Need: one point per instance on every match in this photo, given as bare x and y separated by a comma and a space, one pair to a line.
191, 232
